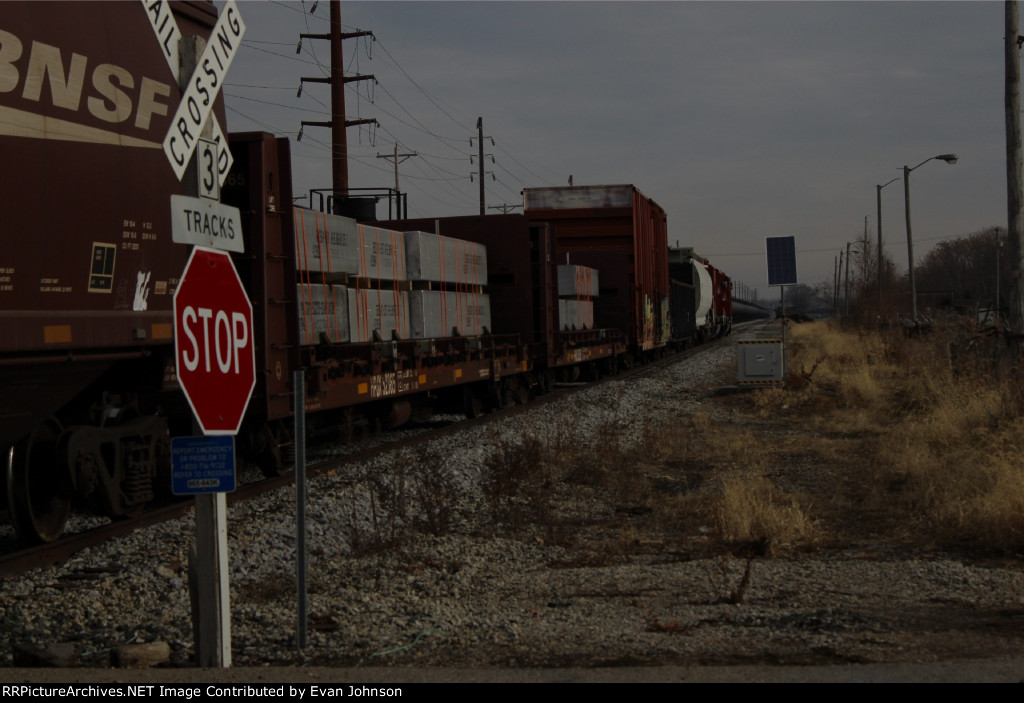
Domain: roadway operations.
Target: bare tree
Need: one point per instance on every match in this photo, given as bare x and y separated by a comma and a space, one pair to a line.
964, 272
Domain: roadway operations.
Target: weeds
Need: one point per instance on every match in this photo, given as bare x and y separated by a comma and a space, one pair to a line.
938, 415
752, 513
410, 493
518, 483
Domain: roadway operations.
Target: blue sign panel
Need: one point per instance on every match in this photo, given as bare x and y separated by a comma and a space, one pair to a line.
202, 464
781, 261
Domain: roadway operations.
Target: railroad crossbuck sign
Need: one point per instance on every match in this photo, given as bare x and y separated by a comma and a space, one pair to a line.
204, 84
213, 341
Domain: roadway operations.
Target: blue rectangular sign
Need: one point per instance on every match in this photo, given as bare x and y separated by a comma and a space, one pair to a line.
202, 464
781, 261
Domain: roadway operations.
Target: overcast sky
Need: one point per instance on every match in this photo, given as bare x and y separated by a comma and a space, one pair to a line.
743, 120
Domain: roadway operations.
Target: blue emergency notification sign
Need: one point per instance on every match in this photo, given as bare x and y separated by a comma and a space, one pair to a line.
781, 261
202, 464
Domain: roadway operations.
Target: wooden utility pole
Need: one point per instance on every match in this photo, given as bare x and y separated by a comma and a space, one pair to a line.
397, 158
339, 142
1014, 197
480, 156
864, 262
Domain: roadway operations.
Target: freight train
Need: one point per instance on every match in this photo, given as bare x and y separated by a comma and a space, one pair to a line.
470, 312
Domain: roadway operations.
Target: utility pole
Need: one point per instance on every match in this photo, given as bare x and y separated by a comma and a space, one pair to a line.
847, 296
864, 261
480, 157
337, 79
397, 159
1014, 157
835, 279
839, 280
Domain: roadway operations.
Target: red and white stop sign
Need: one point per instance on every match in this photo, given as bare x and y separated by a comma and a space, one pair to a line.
213, 341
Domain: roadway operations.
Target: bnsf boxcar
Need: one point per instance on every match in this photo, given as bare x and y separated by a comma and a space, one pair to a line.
623, 234
87, 269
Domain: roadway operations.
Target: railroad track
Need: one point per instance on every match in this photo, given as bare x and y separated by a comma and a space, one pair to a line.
21, 560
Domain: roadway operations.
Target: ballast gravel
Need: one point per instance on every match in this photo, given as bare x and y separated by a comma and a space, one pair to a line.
406, 567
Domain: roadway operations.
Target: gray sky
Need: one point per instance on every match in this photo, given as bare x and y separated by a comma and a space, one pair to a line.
742, 119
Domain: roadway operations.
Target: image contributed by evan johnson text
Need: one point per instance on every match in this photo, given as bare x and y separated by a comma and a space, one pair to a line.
192, 692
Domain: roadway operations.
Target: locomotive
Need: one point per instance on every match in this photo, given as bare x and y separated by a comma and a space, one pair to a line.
579, 285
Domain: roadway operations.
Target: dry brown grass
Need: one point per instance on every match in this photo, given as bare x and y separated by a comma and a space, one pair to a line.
751, 510
941, 435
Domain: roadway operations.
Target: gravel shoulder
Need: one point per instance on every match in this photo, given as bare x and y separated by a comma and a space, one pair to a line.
415, 562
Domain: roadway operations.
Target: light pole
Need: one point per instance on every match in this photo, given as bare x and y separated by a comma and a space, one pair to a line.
949, 159
878, 192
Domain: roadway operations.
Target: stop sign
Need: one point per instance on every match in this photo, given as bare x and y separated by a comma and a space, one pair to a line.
213, 341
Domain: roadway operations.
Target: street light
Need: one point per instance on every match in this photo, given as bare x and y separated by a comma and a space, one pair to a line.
949, 159
878, 192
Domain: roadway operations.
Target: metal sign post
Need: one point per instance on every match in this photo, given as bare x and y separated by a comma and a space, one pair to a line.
781, 257
213, 342
299, 381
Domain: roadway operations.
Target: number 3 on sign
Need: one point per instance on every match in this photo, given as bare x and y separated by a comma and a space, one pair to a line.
209, 183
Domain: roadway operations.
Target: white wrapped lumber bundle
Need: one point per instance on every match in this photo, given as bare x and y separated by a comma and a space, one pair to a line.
577, 281
323, 310
438, 313
334, 244
575, 314
325, 243
433, 257
377, 310
382, 254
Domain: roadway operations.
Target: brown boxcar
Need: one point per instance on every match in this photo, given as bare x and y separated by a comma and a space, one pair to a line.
623, 234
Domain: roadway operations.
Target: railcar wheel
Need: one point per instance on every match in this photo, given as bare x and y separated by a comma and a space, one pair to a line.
38, 497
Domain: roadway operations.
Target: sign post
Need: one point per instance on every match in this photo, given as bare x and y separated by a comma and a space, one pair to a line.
216, 366
213, 339
781, 258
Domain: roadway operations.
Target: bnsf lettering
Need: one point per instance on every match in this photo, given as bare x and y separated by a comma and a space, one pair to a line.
63, 79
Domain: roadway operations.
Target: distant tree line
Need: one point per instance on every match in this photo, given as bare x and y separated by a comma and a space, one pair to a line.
965, 272
956, 274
